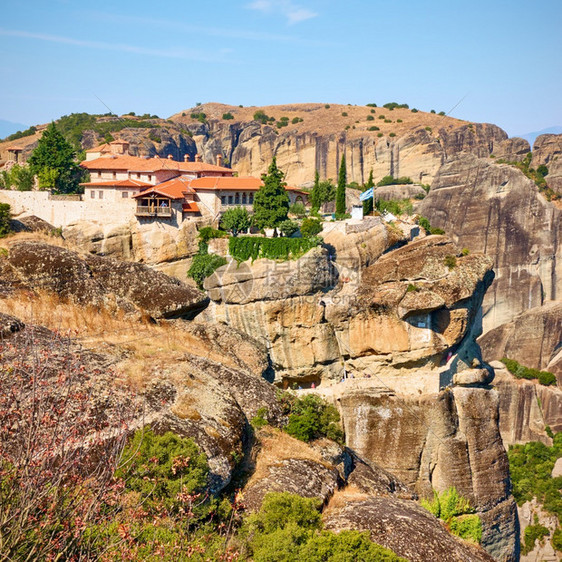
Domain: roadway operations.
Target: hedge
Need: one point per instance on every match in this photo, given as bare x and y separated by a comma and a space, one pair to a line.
242, 248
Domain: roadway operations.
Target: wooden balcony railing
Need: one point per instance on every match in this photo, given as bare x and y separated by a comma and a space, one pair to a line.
153, 211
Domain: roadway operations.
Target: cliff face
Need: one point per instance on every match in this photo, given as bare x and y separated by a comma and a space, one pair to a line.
496, 210
547, 150
433, 442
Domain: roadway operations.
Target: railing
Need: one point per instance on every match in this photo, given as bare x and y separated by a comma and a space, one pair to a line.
153, 211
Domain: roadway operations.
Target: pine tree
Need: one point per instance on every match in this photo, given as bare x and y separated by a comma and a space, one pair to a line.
55, 153
271, 202
340, 193
315, 195
368, 203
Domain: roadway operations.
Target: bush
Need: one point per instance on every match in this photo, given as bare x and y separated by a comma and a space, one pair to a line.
532, 533
207, 233
204, 265
154, 137
428, 129
388, 120
227, 116
260, 419
373, 128
5, 218
236, 220
436, 231
392, 135
311, 227
465, 251
380, 135
262, 117
297, 209
424, 223
442, 113
243, 248
414, 110
542, 170
370, 118
371, 105
450, 261
296, 120
457, 513
394, 206
390, 180
393, 105
311, 418
200, 116
288, 227
159, 467
545, 378
557, 539
21, 177
344, 114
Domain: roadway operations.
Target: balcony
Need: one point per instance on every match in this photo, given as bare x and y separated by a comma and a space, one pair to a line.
153, 211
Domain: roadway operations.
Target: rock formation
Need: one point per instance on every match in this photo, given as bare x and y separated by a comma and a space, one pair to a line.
496, 210
98, 281
533, 338
547, 150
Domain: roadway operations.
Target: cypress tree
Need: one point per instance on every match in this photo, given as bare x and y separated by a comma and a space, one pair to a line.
368, 203
315, 196
56, 154
340, 192
271, 202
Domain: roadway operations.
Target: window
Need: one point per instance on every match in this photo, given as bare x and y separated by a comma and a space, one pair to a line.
99, 174
230, 199
138, 176
93, 194
251, 198
237, 199
100, 194
114, 175
223, 200
149, 177
243, 198
124, 194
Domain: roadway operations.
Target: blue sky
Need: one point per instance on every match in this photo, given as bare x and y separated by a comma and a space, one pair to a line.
505, 56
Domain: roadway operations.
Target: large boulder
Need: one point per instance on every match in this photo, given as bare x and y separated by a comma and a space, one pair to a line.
99, 281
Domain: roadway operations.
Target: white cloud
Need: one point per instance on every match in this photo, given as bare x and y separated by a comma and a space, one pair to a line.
293, 12
173, 53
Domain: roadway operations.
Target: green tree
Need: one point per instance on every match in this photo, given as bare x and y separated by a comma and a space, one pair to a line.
368, 203
288, 227
47, 178
311, 227
315, 199
5, 218
21, 178
236, 220
271, 202
56, 153
340, 192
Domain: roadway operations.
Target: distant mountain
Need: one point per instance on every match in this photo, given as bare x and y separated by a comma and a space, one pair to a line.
9, 128
532, 136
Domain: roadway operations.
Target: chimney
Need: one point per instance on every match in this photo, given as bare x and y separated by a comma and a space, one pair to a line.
198, 158
219, 159
186, 158
170, 157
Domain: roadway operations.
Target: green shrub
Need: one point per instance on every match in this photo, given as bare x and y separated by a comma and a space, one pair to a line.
296, 120
399, 120
465, 251
414, 110
390, 180
243, 248
373, 128
327, 106
532, 534
154, 137
200, 116
381, 116
236, 220
370, 118
545, 378
371, 105
542, 170
5, 218
394, 206
262, 117
207, 233
311, 418
424, 223
392, 135
204, 265
311, 227
344, 114
442, 113
450, 261
288, 227
393, 105
297, 209
227, 116
436, 231
412, 288
432, 111
260, 419
457, 512
388, 120
428, 129
380, 135
159, 467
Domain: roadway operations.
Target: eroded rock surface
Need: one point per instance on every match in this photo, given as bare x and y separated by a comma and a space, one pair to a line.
496, 210
97, 281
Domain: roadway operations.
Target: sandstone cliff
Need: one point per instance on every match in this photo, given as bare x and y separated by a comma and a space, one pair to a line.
496, 210
547, 150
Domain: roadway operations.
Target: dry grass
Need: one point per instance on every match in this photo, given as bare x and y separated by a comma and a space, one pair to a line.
276, 446
343, 497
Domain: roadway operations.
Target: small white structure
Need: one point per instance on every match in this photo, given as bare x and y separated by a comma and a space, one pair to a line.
357, 212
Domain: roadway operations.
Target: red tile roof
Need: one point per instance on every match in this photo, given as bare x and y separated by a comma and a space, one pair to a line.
190, 207
117, 183
136, 164
245, 183
106, 146
175, 188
